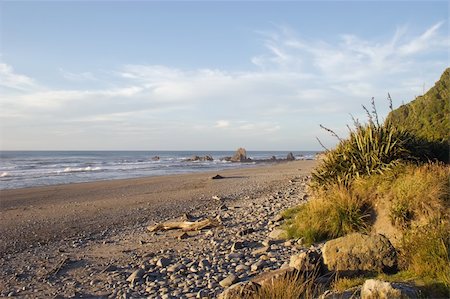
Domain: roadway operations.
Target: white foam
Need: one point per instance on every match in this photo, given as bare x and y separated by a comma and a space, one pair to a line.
81, 169
4, 174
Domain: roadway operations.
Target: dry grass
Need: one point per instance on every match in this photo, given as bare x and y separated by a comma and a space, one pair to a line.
420, 194
332, 213
292, 287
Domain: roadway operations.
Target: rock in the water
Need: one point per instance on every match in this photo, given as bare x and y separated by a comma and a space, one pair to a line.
136, 275
277, 234
374, 289
240, 156
359, 252
229, 280
290, 157
240, 290
306, 261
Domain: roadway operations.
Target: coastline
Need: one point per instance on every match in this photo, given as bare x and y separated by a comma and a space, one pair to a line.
82, 229
42, 214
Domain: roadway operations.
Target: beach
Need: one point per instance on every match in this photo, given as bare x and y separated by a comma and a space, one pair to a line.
84, 228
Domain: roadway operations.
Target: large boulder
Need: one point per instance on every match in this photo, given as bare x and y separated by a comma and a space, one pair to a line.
374, 289
358, 252
240, 156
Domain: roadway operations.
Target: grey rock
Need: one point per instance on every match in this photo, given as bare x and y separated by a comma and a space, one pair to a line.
358, 252
136, 275
374, 289
277, 234
229, 280
163, 262
306, 261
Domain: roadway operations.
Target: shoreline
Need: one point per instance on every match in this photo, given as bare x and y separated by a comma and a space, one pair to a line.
44, 214
84, 240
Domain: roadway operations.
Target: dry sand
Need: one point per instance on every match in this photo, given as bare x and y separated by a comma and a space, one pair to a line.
40, 223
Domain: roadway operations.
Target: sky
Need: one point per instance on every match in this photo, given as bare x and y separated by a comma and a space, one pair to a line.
154, 75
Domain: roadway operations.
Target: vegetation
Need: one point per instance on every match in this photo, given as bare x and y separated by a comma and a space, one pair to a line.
371, 148
428, 117
393, 163
298, 286
336, 211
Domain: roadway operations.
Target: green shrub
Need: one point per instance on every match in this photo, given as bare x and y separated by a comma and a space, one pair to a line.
372, 148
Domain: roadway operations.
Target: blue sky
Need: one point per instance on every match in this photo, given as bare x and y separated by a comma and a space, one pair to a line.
208, 75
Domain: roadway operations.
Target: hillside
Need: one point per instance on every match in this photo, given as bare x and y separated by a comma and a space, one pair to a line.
428, 117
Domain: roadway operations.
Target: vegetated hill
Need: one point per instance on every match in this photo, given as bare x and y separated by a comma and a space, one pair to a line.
428, 117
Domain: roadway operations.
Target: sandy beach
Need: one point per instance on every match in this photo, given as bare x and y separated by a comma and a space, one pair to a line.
96, 223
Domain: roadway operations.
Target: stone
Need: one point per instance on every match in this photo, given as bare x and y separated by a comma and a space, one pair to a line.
175, 268
277, 234
278, 217
243, 289
351, 293
258, 265
237, 246
261, 250
163, 262
136, 275
241, 267
240, 156
358, 252
373, 289
267, 278
310, 260
202, 294
245, 232
290, 157
182, 235
204, 263
227, 281
217, 177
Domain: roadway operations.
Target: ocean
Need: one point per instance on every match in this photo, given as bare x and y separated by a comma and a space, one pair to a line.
21, 169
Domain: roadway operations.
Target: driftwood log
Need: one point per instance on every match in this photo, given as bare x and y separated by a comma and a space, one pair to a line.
185, 225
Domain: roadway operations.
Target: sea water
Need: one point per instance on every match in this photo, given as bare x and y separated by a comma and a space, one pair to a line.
20, 169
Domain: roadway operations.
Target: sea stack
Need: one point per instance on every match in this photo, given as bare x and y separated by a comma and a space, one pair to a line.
240, 156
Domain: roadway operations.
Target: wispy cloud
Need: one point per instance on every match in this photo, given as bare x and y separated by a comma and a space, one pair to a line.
12, 80
296, 82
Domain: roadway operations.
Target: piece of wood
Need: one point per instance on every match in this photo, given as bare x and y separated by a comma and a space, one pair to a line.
184, 225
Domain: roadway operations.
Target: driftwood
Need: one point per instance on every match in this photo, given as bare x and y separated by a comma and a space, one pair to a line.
185, 225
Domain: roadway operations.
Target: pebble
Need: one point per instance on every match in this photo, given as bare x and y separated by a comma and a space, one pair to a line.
214, 258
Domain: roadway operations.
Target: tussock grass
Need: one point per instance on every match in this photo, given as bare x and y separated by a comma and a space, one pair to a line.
425, 252
420, 194
299, 286
332, 213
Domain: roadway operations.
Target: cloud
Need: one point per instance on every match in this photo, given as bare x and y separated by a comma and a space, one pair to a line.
10, 79
294, 85
222, 124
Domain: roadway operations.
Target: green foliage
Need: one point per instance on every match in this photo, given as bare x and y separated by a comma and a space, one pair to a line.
428, 117
335, 212
370, 149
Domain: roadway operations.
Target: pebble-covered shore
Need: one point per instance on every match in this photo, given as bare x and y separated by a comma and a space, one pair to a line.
136, 263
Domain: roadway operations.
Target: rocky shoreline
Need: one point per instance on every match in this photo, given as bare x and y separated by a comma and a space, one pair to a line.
241, 249
135, 263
